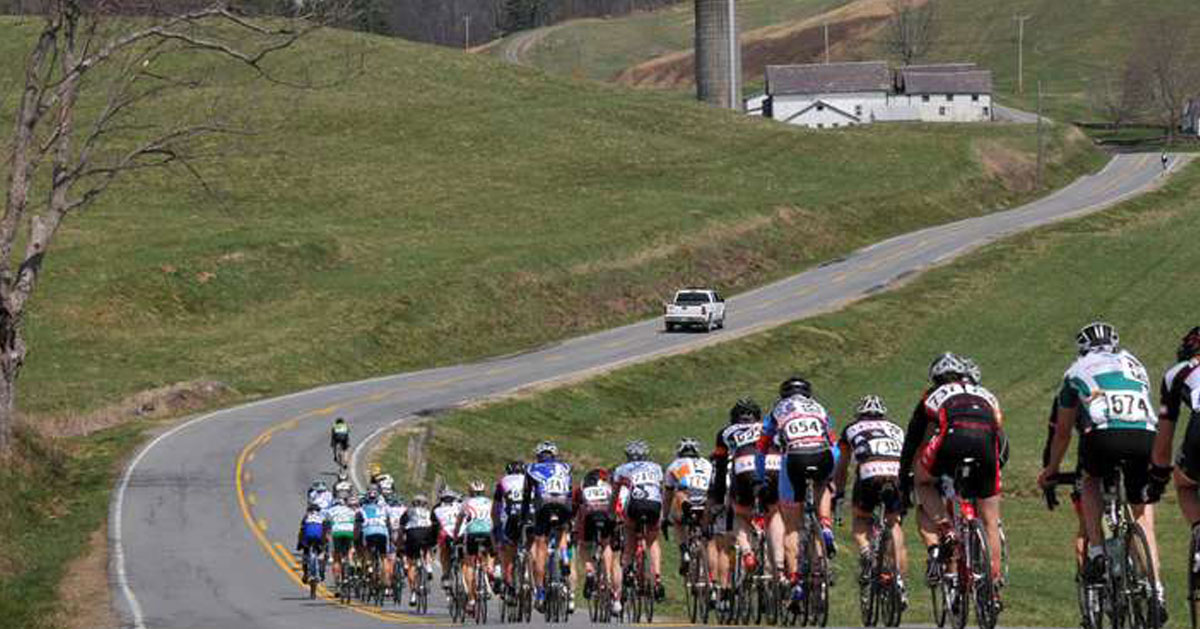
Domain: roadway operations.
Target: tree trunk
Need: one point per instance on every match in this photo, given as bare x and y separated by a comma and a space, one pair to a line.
13, 348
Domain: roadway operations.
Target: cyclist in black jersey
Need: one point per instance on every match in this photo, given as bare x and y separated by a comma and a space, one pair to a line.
1180, 389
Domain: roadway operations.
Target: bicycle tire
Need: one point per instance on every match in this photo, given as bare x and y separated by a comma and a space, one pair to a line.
984, 588
1144, 587
691, 589
818, 594
883, 580
1194, 580
938, 601
957, 599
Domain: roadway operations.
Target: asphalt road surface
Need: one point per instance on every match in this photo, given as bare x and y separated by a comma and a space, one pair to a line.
205, 516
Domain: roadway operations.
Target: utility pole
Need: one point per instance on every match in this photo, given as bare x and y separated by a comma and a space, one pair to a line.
735, 85
827, 42
467, 36
1021, 51
1040, 147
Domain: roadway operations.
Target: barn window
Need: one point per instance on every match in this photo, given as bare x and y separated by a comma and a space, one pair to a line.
949, 97
985, 111
924, 98
820, 107
858, 110
941, 111
974, 98
820, 125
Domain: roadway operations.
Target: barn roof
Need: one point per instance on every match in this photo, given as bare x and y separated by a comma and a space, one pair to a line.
971, 82
861, 76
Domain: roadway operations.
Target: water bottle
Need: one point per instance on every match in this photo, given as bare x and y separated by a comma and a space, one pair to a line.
1113, 551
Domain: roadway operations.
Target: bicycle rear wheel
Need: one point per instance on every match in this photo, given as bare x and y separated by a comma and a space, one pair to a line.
937, 594
980, 564
1194, 579
888, 606
818, 590
1142, 586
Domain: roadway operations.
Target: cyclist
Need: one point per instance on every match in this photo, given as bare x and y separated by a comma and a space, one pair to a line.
343, 488
375, 532
445, 516
547, 493
312, 535
687, 481
963, 420
383, 482
475, 528
420, 536
804, 430
1106, 395
721, 529
395, 510
593, 506
1181, 386
1076, 495
506, 504
319, 493
639, 483
735, 455
339, 440
341, 518
874, 444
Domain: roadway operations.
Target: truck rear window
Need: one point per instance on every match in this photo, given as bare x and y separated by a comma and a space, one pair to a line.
691, 298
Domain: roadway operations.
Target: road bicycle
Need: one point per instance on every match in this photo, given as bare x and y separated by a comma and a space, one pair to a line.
880, 596
341, 455
481, 589
1194, 578
816, 576
637, 591
421, 586
456, 595
743, 607
1128, 597
600, 603
398, 578
518, 600
314, 569
965, 579
555, 588
697, 586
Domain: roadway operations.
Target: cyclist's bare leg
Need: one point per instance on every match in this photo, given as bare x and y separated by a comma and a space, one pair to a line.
989, 510
792, 517
1144, 514
931, 501
537, 557
1092, 504
893, 521
861, 530
926, 528
776, 534
719, 559
468, 573
655, 550
741, 527
444, 557
1189, 496
676, 516
609, 559
508, 556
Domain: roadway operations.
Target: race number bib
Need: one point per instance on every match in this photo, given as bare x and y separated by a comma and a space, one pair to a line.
803, 428
556, 485
773, 462
884, 446
743, 464
878, 468
596, 494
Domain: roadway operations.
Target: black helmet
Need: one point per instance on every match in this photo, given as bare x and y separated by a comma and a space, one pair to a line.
514, 467
745, 409
1190, 345
1097, 335
795, 385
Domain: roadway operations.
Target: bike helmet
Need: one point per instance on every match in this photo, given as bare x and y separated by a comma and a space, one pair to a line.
687, 447
319, 485
637, 450
1189, 346
745, 410
419, 499
974, 374
342, 477
477, 488
375, 470
946, 368
1096, 336
795, 385
546, 450
312, 506
595, 475
447, 495
514, 467
871, 405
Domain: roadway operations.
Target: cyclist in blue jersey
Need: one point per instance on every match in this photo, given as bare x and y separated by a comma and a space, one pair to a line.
376, 532
547, 493
312, 535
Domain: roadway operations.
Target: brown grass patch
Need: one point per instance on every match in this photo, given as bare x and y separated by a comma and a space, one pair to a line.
165, 401
1014, 169
85, 601
798, 41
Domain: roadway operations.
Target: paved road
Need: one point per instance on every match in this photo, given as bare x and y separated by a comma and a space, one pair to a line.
1008, 114
206, 513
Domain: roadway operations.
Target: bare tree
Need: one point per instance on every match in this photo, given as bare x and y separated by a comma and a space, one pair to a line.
911, 30
1164, 68
1117, 94
80, 123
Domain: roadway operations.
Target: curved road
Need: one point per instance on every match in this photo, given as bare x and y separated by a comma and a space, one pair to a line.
205, 515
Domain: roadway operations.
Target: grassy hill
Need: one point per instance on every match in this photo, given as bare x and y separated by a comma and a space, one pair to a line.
1067, 42
433, 207
1014, 306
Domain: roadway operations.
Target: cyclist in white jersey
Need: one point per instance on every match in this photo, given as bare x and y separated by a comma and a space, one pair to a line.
1106, 396
475, 527
687, 481
506, 504
445, 516
319, 493
420, 536
640, 499
341, 530
343, 488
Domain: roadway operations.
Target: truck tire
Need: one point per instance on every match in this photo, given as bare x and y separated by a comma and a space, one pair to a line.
670, 327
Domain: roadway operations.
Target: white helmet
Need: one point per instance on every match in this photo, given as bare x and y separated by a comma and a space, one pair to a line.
687, 445
1097, 335
947, 367
871, 405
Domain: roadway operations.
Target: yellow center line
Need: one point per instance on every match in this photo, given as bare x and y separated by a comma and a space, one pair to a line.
806, 291
839, 278
498, 370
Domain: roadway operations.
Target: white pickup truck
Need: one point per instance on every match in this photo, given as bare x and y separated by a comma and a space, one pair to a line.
699, 307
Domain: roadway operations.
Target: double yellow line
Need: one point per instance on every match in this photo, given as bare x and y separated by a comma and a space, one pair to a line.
278, 552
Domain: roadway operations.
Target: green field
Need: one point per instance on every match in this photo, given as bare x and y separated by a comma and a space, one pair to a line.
1014, 306
437, 207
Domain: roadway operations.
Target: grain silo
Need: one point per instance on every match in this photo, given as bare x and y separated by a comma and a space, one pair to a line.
718, 54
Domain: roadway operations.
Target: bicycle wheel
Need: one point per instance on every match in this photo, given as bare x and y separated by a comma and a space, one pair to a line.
1194, 579
818, 593
1142, 586
958, 599
646, 591
980, 564
422, 588
693, 597
937, 594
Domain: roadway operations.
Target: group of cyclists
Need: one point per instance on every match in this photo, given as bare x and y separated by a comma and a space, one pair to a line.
765, 465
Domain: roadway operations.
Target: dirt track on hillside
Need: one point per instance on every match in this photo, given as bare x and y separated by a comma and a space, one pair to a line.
799, 41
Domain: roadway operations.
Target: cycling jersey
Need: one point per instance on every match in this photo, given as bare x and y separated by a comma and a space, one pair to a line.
548, 482
384, 482
476, 518
737, 455
312, 527
447, 516
801, 424
738, 443
374, 519
876, 445
1180, 387
595, 498
967, 420
510, 492
341, 521
395, 516
1111, 391
322, 499
691, 475
640, 480
417, 518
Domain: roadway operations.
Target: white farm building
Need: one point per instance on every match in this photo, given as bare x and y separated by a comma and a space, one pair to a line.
823, 96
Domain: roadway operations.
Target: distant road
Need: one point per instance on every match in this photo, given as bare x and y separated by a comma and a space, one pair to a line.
205, 517
1008, 114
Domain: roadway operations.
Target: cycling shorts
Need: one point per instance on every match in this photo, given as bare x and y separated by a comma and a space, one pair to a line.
597, 526
640, 508
945, 450
510, 533
797, 465
720, 521
1189, 451
417, 540
872, 492
342, 440
377, 543
342, 545
316, 543
479, 542
546, 513
743, 489
1101, 452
